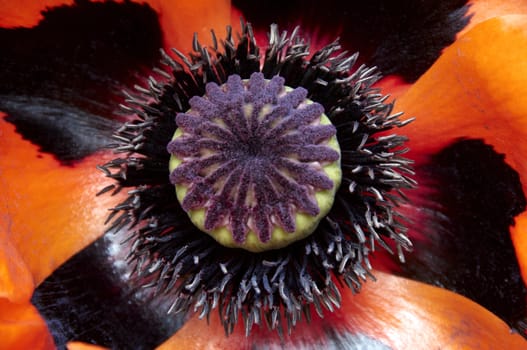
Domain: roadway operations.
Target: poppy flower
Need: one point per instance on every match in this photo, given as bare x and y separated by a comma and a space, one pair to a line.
130, 266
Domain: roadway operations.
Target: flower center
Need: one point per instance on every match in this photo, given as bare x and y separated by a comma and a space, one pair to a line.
252, 148
256, 164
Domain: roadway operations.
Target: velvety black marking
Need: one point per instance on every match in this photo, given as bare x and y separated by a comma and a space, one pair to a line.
60, 129
86, 300
400, 37
81, 55
248, 151
467, 247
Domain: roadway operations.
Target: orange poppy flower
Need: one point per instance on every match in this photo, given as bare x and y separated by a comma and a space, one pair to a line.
458, 69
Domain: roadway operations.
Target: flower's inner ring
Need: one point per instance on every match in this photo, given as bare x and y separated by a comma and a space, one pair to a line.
256, 165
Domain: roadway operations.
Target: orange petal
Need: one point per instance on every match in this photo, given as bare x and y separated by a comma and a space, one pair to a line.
48, 211
396, 312
393, 85
476, 89
181, 19
22, 328
482, 10
25, 13
16, 281
197, 334
409, 315
75, 345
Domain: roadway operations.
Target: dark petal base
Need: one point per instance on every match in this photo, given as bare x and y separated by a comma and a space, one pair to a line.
87, 300
399, 37
78, 58
464, 244
62, 130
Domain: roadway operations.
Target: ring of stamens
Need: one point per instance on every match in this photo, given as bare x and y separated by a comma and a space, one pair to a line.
256, 165
170, 257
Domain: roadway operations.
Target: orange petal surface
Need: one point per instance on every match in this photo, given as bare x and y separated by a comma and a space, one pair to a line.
477, 89
16, 280
75, 345
410, 315
48, 211
22, 328
181, 19
393, 85
482, 10
396, 312
25, 13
